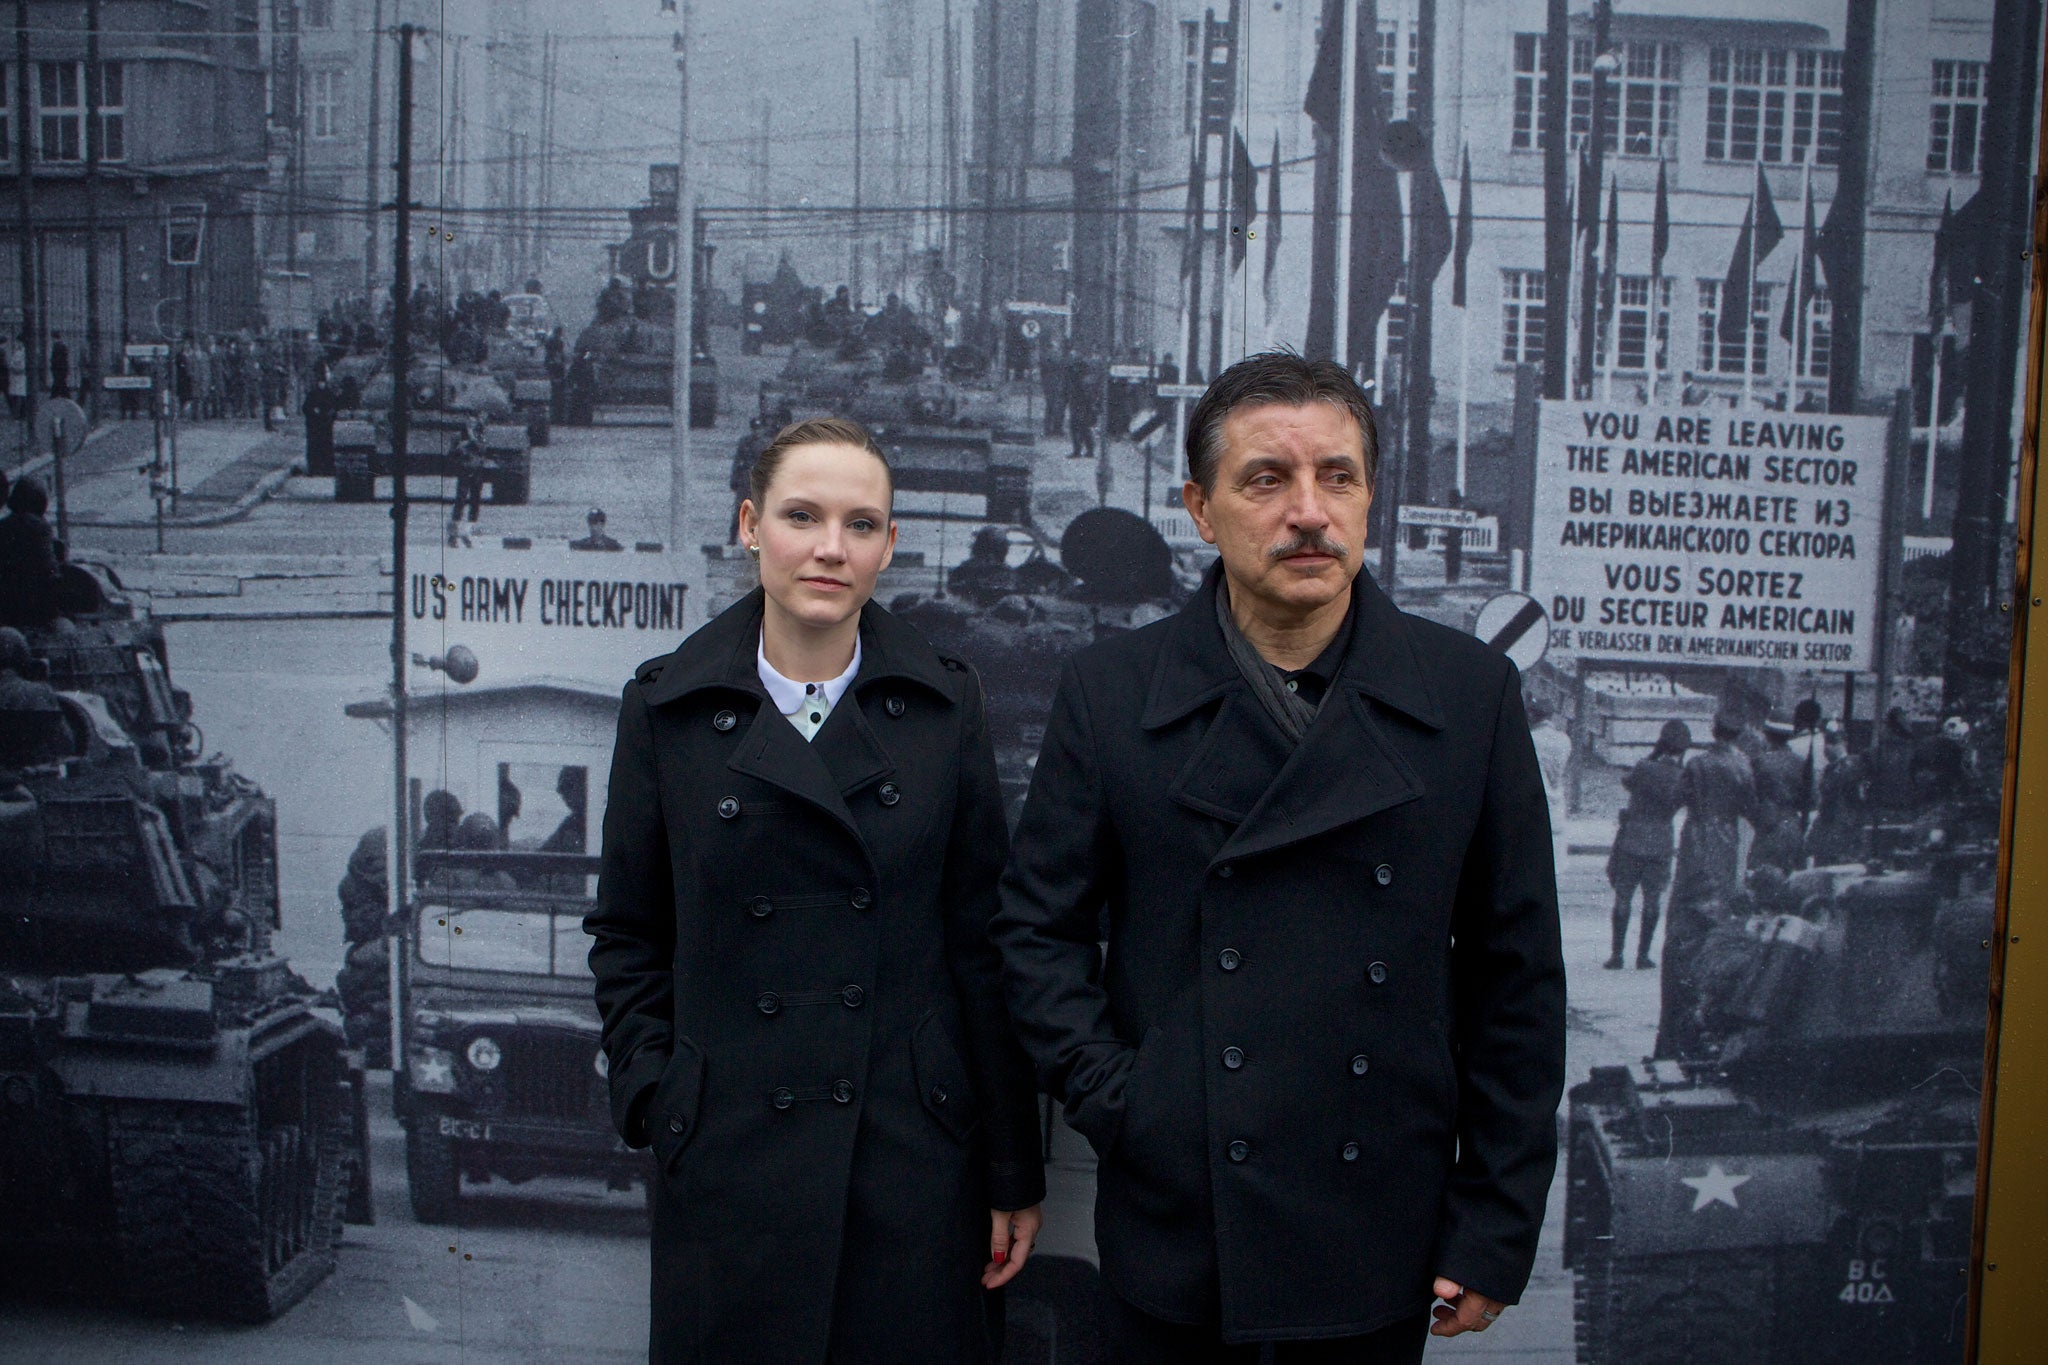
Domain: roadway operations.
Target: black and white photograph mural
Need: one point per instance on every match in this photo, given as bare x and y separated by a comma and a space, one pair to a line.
383, 377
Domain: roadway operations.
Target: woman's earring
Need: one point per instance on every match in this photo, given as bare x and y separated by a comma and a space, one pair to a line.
754, 550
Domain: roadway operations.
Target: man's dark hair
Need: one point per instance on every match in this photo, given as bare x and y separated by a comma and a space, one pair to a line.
1274, 377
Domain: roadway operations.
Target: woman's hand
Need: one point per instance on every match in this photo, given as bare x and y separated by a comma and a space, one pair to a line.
1011, 1237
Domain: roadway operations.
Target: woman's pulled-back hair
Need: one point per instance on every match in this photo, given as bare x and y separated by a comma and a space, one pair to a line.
812, 431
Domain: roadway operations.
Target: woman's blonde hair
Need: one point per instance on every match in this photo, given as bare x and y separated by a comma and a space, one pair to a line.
830, 431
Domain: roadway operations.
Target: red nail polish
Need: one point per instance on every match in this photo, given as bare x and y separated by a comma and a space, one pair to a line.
1002, 1256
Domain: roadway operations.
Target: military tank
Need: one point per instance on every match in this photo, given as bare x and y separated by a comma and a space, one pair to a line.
1801, 1189
178, 1125
445, 399
1017, 611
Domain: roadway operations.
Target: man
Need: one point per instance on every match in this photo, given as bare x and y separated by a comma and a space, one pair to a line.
597, 539
1842, 824
29, 573
1322, 1060
1642, 839
319, 409
60, 366
1084, 405
466, 459
1052, 382
1719, 788
1784, 796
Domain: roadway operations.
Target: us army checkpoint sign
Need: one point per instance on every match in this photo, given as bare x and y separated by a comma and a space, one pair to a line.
1707, 536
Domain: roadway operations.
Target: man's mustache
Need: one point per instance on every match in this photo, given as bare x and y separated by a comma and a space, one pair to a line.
1307, 542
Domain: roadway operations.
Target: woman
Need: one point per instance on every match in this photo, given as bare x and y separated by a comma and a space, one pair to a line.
802, 1010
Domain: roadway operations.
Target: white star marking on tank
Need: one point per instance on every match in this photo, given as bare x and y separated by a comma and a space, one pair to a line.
1715, 1187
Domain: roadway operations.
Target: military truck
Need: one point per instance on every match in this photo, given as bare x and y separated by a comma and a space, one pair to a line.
445, 399
179, 1125
1801, 1189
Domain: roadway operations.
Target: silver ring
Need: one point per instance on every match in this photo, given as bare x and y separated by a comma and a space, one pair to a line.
1490, 1314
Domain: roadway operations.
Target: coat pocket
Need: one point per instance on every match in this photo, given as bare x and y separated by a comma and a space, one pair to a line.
673, 1120
942, 1078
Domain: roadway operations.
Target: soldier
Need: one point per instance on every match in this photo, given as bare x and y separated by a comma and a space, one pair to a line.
60, 366
1052, 382
318, 409
1839, 830
572, 835
441, 812
597, 539
466, 456
1642, 838
28, 558
985, 578
1084, 404
32, 726
1719, 788
1783, 797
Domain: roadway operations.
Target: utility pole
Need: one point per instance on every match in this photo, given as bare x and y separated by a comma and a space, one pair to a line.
24, 180
1557, 227
686, 303
371, 180
92, 364
858, 242
1587, 286
401, 358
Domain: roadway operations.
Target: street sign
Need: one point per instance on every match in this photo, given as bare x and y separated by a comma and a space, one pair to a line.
1182, 390
1029, 329
1049, 309
147, 350
1515, 625
60, 426
126, 381
1438, 516
1130, 372
1680, 535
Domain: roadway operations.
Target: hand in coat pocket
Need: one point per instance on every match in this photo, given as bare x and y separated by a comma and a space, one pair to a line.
672, 1120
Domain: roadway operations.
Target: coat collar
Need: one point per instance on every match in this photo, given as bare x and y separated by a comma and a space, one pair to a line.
720, 655
1195, 667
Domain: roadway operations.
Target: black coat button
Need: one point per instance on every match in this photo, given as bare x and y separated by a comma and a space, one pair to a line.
724, 721
1359, 1065
675, 1124
1351, 1151
728, 807
1225, 870
1377, 973
854, 997
760, 907
1239, 1150
894, 706
1229, 959
1383, 874
889, 795
783, 1097
769, 1002
842, 1091
1233, 1057
860, 898
939, 1094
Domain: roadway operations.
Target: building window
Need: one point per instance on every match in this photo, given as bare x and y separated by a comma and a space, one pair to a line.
323, 103
1191, 73
1641, 97
1521, 317
60, 109
1819, 336
1774, 105
1955, 118
1393, 79
1630, 329
1725, 357
319, 13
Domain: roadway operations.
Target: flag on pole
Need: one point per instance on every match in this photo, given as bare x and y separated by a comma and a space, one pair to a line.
1244, 194
1660, 226
1377, 241
1462, 242
1610, 251
1324, 104
1272, 225
1432, 226
1937, 278
1800, 299
1761, 230
1588, 197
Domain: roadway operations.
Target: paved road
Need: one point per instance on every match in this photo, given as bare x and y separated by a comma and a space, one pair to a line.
275, 630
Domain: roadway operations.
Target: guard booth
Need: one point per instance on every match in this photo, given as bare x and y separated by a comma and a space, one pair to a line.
501, 1077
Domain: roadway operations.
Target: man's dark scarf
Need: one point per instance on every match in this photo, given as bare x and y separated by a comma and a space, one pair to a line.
1291, 711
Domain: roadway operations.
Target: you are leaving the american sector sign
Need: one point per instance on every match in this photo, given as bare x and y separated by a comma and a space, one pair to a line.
1704, 535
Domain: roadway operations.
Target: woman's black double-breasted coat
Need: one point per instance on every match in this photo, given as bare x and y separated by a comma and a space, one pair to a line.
802, 1008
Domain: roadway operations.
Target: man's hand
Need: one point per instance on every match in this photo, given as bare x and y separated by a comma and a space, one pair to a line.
1010, 1240
1461, 1310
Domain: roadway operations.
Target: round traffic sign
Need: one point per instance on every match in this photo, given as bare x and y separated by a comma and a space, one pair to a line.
60, 426
1029, 327
1515, 625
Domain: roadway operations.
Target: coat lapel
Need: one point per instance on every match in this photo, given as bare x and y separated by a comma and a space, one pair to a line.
849, 748
776, 754
1344, 770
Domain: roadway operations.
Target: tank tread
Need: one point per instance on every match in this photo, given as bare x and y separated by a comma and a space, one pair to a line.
213, 1219
1694, 1308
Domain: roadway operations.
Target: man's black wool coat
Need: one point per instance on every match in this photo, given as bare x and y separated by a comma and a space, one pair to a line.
802, 1008
1322, 1059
